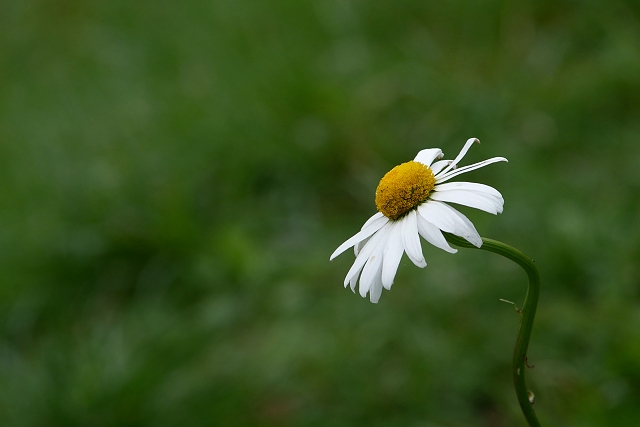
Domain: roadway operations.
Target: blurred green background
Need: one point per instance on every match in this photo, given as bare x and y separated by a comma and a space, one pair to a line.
175, 175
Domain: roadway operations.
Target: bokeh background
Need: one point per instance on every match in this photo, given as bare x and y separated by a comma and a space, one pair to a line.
174, 176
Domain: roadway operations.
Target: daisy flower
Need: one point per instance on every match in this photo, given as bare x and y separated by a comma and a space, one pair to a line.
411, 200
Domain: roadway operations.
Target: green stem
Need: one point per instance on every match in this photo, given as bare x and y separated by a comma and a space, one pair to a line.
528, 313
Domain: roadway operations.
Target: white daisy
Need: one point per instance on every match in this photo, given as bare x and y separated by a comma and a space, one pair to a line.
410, 200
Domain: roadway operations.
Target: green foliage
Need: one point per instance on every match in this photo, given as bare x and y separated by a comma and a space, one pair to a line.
174, 176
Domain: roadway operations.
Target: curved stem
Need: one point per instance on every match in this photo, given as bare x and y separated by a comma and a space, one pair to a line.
528, 312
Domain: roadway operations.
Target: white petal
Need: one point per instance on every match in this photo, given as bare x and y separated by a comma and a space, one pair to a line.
372, 268
392, 255
471, 186
365, 253
439, 165
376, 217
426, 157
462, 153
450, 220
376, 288
433, 235
376, 222
411, 239
359, 245
483, 201
442, 177
353, 281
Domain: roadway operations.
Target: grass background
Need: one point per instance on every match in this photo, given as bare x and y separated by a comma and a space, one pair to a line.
174, 176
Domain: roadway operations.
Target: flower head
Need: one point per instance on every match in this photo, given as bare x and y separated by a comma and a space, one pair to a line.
411, 203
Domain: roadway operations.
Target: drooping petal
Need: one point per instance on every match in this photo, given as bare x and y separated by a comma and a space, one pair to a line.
426, 157
375, 217
439, 165
376, 222
460, 155
411, 239
392, 255
376, 287
364, 254
483, 201
373, 266
450, 220
360, 245
442, 177
354, 280
433, 235
470, 186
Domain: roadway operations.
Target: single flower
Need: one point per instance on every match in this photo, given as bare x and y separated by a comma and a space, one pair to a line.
411, 203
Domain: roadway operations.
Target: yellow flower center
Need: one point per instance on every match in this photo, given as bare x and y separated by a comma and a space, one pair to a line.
403, 188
